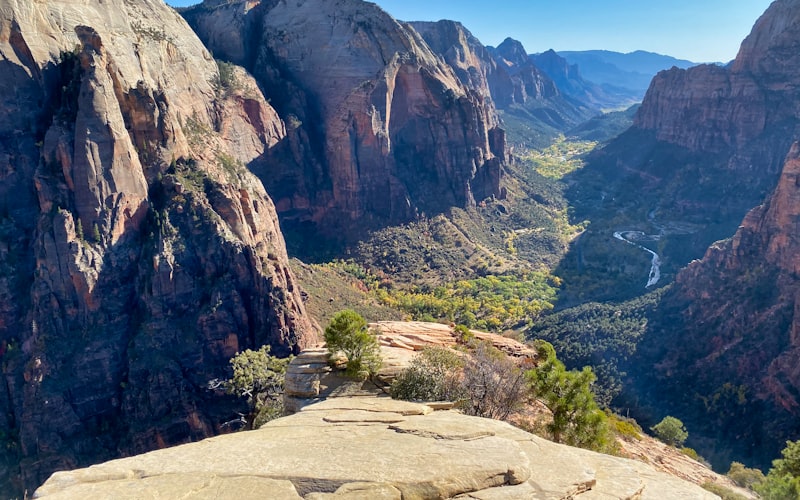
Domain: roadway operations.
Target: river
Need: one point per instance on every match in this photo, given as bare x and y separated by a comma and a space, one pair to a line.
655, 262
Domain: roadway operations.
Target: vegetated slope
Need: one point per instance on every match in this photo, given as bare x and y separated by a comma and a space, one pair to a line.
707, 145
605, 127
380, 128
725, 349
137, 254
717, 349
618, 72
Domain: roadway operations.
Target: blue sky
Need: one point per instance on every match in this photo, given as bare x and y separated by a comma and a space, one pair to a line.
698, 30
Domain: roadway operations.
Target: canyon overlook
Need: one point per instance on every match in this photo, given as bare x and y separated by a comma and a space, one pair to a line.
156, 164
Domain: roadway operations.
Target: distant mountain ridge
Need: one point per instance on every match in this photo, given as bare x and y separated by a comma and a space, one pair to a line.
569, 79
632, 71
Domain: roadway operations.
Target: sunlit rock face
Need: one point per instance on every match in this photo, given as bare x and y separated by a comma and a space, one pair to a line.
380, 129
137, 253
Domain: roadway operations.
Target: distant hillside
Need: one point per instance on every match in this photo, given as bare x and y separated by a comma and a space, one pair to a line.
632, 71
570, 82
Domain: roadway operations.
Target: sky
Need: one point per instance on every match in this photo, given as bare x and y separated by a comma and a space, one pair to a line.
697, 30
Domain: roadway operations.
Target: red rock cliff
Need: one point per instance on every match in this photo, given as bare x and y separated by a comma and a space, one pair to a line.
138, 253
381, 129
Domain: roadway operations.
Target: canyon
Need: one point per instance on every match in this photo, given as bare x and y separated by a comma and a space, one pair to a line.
149, 191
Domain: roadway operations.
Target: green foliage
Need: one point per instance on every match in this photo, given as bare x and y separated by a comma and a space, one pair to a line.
691, 453
671, 431
225, 81
721, 491
464, 335
744, 476
79, 228
259, 377
624, 428
347, 332
433, 375
783, 480
603, 336
577, 420
492, 383
560, 158
492, 303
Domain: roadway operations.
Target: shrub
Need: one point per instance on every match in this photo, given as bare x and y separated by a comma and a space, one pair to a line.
723, 492
744, 476
433, 375
347, 333
493, 385
226, 80
671, 431
625, 428
691, 453
259, 377
783, 480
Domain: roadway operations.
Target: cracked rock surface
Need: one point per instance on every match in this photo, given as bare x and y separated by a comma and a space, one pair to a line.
370, 448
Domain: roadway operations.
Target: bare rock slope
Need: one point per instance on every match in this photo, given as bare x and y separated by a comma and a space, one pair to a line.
372, 447
380, 128
137, 252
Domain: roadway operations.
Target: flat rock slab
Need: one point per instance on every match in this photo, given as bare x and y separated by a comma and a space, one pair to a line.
71, 486
371, 403
363, 417
371, 448
317, 455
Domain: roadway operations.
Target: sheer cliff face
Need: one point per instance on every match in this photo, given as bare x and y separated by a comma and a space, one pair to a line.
138, 254
730, 333
715, 109
504, 74
380, 128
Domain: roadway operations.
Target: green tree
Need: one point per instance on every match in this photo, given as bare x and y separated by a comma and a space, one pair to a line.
577, 420
432, 375
259, 377
347, 333
744, 476
671, 431
783, 480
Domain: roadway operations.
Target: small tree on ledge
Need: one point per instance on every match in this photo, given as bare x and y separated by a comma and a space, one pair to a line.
259, 377
671, 431
347, 333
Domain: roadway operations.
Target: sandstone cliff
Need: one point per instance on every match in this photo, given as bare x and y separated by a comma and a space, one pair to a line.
571, 83
731, 328
380, 129
138, 253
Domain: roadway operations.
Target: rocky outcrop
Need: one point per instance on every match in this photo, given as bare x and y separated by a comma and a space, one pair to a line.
138, 253
717, 109
309, 376
367, 447
536, 92
731, 329
380, 129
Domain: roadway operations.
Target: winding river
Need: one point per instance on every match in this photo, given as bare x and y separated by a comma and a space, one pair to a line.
631, 237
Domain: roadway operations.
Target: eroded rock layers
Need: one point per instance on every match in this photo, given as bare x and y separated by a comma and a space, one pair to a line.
138, 254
